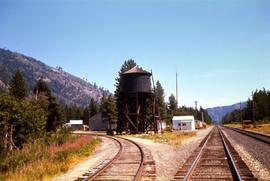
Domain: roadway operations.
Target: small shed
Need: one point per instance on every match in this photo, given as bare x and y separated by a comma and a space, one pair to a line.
98, 123
183, 123
75, 125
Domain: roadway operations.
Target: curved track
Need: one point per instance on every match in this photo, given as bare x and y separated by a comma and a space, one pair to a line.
127, 164
258, 136
214, 159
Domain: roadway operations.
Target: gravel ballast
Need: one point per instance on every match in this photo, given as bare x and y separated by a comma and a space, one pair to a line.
254, 153
169, 159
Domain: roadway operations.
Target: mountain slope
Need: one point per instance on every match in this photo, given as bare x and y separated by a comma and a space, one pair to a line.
66, 87
217, 113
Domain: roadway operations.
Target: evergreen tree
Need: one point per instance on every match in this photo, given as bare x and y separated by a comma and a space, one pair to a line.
172, 105
248, 111
108, 109
86, 116
66, 114
20, 122
205, 114
259, 105
42, 91
93, 107
54, 119
183, 111
128, 64
17, 86
160, 101
48, 102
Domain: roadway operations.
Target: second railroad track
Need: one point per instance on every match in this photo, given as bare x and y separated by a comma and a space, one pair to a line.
214, 159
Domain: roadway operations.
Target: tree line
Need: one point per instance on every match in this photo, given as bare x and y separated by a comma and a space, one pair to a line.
257, 109
24, 118
29, 115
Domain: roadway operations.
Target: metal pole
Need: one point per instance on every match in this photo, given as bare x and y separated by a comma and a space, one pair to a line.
196, 102
202, 117
176, 90
241, 116
154, 104
253, 107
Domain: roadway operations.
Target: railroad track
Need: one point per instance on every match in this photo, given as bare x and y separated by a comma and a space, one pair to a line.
214, 159
257, 136
130, 163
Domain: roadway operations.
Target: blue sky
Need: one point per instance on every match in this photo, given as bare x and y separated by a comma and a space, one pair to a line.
221, 49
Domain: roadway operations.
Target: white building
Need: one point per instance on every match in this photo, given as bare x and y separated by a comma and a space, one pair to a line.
183, 122
75, 125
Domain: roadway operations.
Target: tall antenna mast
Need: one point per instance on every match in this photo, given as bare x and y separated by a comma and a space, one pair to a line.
196, 110
176, 88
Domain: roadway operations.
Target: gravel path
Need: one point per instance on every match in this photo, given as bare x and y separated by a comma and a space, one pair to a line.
107, 150
254, 153
168, 159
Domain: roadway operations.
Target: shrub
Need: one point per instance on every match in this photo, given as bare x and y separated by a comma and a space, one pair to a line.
36, 161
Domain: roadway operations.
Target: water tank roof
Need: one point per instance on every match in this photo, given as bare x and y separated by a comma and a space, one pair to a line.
136, 70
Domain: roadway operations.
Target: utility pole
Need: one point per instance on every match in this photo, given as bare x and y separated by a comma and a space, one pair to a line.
253, 107
154, 105
196, 102
241, 115
176, 93
202, 117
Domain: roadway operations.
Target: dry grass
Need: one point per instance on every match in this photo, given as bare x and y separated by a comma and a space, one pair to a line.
37, 162
235, 125
175, 138
262, 128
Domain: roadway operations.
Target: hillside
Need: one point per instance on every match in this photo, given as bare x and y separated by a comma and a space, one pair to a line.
217, 113
66, 87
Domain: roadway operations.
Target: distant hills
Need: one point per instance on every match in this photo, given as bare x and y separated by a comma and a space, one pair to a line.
217, 113
66, 87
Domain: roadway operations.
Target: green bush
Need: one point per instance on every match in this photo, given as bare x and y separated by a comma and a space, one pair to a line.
21, 120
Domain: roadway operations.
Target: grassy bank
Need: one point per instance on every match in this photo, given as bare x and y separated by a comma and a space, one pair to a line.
173, 138
235, 125
39, 161
262, 127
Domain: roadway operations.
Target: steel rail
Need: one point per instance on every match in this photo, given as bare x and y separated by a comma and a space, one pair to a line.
258, 136
93, 176
196, 161
138, 175
235, 170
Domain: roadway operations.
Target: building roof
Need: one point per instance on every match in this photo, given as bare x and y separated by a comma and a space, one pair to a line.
183, 118
75, 121
136, 70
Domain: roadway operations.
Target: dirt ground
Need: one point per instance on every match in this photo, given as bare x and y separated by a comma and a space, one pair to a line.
167, 158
